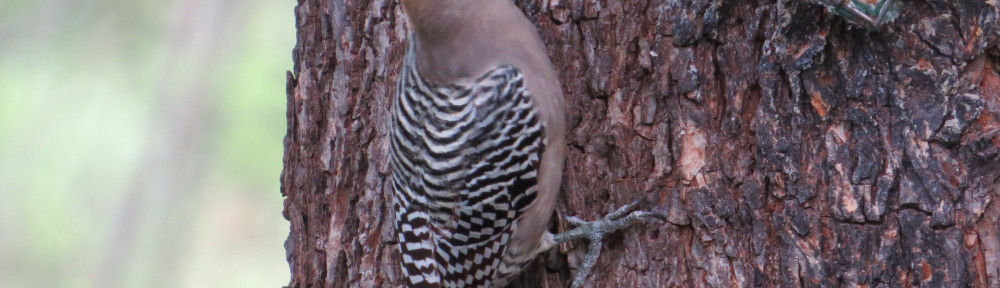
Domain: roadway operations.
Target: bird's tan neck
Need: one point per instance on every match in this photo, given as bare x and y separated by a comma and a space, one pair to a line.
455, 38
440, 20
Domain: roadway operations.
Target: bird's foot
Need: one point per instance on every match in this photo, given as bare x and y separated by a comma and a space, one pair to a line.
595, 231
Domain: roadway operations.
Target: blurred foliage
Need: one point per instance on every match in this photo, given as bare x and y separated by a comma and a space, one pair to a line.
141, 142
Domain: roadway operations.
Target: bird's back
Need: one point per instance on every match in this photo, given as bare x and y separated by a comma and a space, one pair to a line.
477, 144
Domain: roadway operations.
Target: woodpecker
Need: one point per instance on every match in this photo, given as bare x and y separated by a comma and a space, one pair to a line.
477, 146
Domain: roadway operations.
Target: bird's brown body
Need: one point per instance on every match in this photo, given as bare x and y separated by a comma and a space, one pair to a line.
460, 47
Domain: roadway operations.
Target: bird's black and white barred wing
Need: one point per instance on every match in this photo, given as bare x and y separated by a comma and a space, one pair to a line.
464, 163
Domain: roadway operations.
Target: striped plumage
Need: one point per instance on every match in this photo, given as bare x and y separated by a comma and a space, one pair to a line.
477, 149
476, 144
464, 163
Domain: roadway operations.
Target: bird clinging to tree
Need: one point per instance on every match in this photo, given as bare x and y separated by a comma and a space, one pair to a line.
477, 148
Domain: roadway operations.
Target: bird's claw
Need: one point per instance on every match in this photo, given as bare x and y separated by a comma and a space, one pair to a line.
595, 231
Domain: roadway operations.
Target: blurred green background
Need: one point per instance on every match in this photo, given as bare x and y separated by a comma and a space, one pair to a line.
141, 142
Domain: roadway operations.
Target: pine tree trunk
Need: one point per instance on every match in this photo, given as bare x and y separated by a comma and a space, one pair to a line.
788, 147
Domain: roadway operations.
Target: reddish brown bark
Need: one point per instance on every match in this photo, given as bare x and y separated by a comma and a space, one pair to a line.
787, 147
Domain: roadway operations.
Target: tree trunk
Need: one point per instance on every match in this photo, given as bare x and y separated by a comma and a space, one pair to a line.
787, 146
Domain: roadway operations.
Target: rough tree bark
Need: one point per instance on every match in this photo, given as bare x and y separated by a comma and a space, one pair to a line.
788, 147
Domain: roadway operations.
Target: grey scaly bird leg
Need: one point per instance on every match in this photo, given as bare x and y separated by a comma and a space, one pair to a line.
595, 231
